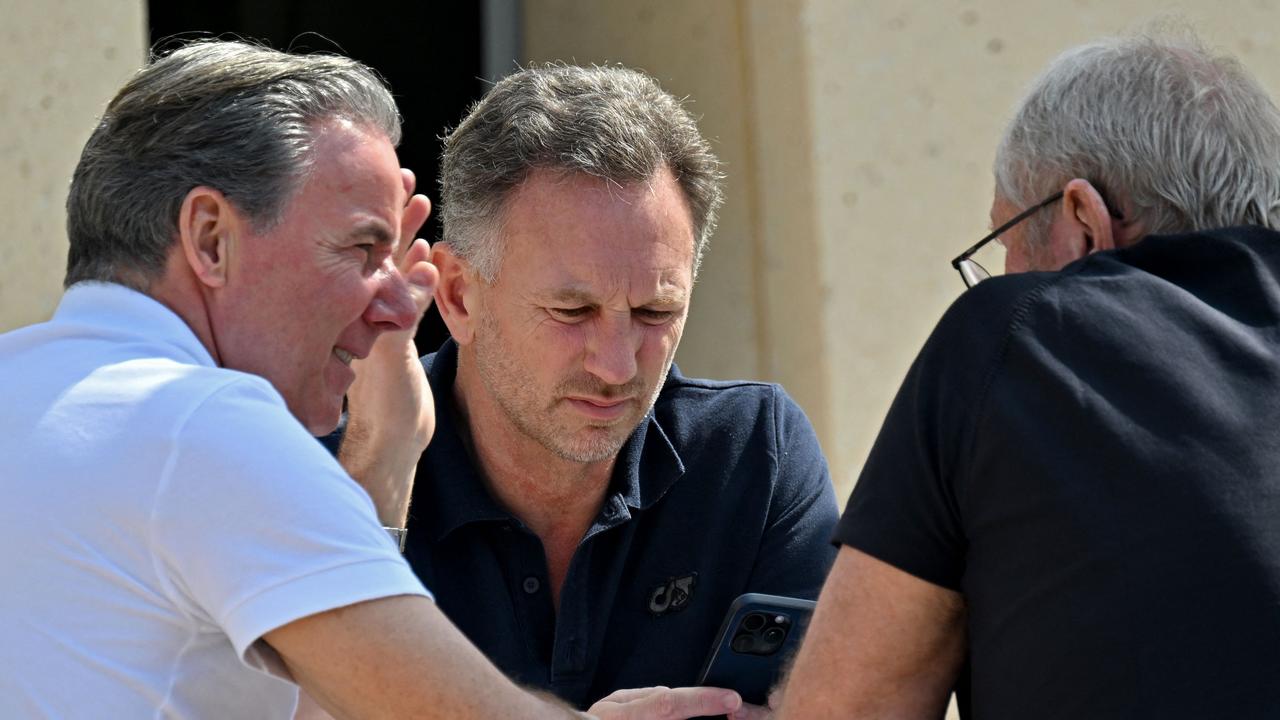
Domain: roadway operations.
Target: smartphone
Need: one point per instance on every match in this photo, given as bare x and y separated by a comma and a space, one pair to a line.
759, 636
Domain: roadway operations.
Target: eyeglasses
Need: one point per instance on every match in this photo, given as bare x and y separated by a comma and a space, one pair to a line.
970, 271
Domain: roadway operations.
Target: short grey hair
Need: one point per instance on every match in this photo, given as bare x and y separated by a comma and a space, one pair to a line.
610, 122
1185, 139
230, 115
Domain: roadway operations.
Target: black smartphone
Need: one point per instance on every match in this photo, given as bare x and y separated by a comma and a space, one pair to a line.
759, 635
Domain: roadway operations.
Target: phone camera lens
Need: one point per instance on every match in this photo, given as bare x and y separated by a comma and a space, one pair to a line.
753, 622
772, 639
744, 643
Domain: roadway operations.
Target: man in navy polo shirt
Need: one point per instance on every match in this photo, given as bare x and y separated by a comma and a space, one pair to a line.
585, 513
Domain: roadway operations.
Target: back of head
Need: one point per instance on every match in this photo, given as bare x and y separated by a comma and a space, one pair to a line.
610, 122
1183, 139
229, 115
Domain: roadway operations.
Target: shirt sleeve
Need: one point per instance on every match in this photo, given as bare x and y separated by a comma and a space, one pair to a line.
255, 525
795, 552
907, 506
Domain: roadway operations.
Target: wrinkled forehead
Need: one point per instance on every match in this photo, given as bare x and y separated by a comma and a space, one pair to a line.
604, 273
581, 230
613, 282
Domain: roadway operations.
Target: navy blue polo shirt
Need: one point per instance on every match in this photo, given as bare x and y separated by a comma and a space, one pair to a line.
721, 490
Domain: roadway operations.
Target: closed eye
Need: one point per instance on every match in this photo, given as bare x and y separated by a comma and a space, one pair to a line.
374, 253
652, 316
569, 314
374, 240
578, 313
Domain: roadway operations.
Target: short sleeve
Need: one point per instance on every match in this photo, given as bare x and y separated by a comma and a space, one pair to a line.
907, 506
795, 554
255, 525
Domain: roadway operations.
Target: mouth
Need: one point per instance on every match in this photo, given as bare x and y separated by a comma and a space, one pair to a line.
343, 356
600, 409
601, 402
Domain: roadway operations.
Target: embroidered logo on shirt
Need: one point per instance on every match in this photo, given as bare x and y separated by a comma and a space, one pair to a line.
672, 595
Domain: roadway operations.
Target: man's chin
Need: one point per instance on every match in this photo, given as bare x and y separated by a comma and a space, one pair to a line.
590, 448
320, 421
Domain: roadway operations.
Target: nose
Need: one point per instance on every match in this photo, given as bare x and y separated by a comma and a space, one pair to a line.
612, 345
392, 307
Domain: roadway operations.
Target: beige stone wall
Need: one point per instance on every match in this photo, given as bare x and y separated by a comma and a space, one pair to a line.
858, 138
756, 312
910, 98
60, 62
682, 44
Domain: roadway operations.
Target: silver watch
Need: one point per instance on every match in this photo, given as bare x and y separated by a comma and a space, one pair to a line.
398, 535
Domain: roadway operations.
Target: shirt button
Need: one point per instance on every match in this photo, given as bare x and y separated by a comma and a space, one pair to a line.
531, 585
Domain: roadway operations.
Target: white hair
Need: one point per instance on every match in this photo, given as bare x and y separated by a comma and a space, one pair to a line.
1184, 139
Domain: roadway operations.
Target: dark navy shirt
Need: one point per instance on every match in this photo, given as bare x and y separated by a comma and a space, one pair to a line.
721, 490
1092, 458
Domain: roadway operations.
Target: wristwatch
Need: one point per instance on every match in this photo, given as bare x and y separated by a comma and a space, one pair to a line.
398, 535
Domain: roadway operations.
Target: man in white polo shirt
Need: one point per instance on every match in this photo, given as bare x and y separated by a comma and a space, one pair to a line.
173, 541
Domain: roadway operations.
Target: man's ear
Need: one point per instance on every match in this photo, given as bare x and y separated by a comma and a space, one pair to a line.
457, 292
1083, 225
208, 227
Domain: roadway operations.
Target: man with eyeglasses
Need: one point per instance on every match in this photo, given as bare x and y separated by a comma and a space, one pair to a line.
1073, 507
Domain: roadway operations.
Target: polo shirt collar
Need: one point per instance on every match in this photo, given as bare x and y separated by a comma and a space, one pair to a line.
456, 496
115, 308
648, 454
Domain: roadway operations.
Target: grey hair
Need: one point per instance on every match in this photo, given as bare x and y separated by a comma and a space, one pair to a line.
1180, 138
610, 122
236, 117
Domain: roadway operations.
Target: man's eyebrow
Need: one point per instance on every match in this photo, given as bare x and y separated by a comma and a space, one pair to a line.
669, 297
582, 297
572, 295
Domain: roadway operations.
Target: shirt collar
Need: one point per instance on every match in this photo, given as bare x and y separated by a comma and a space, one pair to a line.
116, 308
453, 495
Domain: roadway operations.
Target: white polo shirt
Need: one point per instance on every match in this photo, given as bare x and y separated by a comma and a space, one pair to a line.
158, 515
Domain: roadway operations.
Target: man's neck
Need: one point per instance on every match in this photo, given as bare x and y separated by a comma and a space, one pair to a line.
557, 499
179, 291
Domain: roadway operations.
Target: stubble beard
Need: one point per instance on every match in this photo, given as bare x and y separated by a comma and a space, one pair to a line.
517, 394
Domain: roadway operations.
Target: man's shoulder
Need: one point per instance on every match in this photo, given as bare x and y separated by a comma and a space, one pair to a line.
977, 325
716, 403
707, 387
733, 418
998, 300
148, 387
184, 389
1194, 281
225, 411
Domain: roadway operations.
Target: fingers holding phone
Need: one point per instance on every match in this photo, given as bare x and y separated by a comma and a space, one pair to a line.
664, 703
757, 640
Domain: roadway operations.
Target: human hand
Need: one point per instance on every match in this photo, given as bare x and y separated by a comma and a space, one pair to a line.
663, 703
751, 712
390, 409
390, 396
390, 390
759, 712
